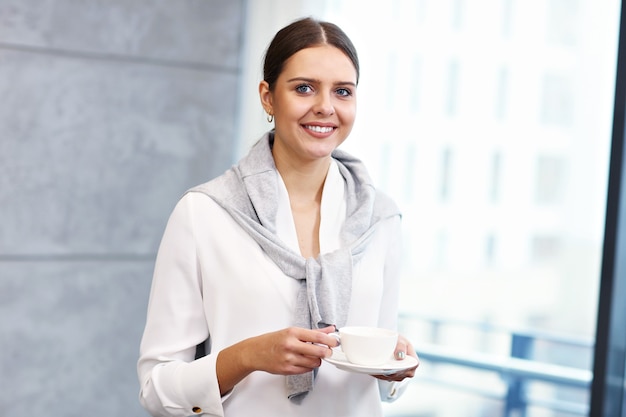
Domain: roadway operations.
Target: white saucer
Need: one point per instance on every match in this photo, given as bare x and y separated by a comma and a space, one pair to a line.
392, 366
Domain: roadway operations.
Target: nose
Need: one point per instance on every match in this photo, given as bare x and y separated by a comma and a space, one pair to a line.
324, 105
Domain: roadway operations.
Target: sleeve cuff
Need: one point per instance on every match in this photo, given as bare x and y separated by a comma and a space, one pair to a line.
391, 390
196, 386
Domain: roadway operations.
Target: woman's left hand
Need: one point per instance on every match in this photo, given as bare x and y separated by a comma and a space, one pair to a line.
404, 348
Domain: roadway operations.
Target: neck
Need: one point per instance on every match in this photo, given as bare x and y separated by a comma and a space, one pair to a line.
304, 181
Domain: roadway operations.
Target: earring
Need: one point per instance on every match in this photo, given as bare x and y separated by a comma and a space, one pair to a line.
270, 118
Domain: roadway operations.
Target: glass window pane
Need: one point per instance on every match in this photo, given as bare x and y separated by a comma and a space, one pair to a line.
489, 121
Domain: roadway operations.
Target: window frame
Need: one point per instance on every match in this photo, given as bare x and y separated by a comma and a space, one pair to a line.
608, 389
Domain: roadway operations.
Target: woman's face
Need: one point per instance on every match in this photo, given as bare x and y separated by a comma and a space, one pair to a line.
313, 103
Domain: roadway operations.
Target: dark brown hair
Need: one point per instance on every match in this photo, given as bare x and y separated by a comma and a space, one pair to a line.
301, 34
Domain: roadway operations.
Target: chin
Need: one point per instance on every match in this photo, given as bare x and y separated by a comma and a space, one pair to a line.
323, 151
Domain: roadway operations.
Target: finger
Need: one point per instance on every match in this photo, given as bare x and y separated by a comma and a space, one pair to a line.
401, 348
312, 343
308, 362
303, 366
316, 350
303, 356
325, 337
328, 329
397, 377
411, 350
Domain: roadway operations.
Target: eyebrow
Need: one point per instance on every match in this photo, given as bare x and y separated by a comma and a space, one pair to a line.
314, 81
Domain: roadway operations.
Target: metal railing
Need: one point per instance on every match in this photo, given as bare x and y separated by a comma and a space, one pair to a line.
517, 370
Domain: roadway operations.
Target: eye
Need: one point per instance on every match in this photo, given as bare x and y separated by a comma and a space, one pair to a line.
344, 92
304, 88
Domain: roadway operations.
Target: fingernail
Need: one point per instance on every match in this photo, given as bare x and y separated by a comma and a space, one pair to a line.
401, 355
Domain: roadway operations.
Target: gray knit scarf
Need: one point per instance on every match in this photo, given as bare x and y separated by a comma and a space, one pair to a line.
249, 193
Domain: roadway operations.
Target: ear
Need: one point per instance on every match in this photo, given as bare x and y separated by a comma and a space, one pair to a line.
266, 97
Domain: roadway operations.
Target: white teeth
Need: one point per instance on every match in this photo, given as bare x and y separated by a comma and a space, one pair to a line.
320, 129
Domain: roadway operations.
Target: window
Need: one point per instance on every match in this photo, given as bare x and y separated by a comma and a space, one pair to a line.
549, 179
544, 249
495, 177
557, 104
489, 122
452, 83
502, 84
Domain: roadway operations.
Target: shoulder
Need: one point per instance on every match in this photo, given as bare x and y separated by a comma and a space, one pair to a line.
206, 196
385, 206
227, 190
217, 187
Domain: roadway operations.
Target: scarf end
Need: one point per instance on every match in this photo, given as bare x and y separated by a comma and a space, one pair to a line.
298, 386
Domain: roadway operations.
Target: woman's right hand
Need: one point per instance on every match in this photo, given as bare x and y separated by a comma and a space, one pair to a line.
289, 351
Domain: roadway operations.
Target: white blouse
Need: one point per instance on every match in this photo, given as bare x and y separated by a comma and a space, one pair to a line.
211, 280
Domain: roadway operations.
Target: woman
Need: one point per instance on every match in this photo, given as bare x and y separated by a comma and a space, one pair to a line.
265, 261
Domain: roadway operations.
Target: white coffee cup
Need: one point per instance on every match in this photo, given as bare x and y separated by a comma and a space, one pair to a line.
368, 346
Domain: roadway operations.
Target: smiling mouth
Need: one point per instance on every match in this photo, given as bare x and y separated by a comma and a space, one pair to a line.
320, 129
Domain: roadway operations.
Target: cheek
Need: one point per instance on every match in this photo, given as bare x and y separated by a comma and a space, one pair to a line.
348, 113
294, 110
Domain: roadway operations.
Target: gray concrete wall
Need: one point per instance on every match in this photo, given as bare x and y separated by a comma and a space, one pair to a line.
109, 110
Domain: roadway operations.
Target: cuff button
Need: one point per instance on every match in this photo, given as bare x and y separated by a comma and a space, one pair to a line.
197, 410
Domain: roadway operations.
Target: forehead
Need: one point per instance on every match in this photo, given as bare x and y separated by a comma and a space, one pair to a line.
320, 62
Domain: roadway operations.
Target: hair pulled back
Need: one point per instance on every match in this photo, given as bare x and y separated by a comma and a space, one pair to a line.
301, 34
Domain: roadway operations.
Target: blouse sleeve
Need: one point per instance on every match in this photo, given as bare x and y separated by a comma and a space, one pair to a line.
388, 317
172, 382
391, 391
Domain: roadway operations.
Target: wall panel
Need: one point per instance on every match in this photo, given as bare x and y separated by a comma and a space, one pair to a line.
109, 111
